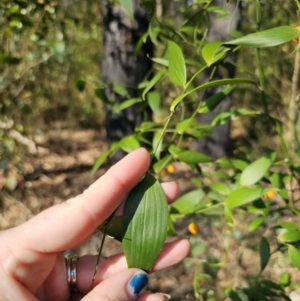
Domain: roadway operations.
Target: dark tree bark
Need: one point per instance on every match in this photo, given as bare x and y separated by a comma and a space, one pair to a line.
121, 66
218, 143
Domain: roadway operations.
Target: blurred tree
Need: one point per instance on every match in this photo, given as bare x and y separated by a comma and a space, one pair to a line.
124, 66
217, 144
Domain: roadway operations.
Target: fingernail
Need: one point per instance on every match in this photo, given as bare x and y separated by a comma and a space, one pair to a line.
137, 283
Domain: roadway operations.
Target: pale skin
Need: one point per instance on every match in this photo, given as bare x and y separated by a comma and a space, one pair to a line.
32, 265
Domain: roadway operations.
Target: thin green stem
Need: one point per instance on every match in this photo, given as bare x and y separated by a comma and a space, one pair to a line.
98, 259
162, 133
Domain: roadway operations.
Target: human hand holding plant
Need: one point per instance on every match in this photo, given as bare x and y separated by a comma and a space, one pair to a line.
32, 265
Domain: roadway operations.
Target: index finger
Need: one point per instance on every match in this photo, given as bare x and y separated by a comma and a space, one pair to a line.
67, 225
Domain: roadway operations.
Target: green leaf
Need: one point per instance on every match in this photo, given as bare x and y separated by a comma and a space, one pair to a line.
100, 161
239, 164
256, 223
114, 227
211, 52
225, 163
161, 61
120, 90
215, 83
125, 104
192, 157
154, 102
288, 226
292, 235
188, 203
162, 163
145, 223
268, 38
129, 144
212, 102
222, 188
80, 84
152, 82
128, 7
157, 144
244, 195
99, 92
264, 253
224, 117
294, 255
177, 69
255, 171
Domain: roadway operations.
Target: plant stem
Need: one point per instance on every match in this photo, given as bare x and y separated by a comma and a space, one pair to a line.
293, 109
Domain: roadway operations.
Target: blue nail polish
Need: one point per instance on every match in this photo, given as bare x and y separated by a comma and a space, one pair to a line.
137, 283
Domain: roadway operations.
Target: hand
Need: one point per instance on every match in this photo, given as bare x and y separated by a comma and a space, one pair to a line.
32, 265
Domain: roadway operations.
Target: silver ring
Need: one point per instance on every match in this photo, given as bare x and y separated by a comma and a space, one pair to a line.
71, 264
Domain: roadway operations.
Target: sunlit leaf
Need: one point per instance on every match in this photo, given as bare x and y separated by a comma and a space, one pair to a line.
216, 83
161, 61
129, 144
125, 104
157, 144
154, 102
128, 7
256, 223
211, 52
152, 82
244, 195
187, 203
145, 223
177, 69
267, 38
100, 161
220, 187
294, 255
162, 163
291, 235
224, 117
192, 157
255, 171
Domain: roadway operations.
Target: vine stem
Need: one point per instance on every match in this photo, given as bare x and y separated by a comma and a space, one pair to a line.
98, 259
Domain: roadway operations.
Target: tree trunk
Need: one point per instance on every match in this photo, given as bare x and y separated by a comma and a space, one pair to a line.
122, 66
218, 143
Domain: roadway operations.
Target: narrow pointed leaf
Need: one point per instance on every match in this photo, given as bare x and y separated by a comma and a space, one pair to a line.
255, 171
152, 82
294, 255
128, 7
145, 223
264, 253
211, 53
129, 144
187, 203
215, 83
100, 161
192, 157
267, 38
177, 69
125, 104
212, 102
244, 195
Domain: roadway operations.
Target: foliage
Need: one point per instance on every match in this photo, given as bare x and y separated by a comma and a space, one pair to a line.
41, 46
256, 191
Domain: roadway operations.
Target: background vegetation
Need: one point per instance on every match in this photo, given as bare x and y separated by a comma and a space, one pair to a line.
49, 76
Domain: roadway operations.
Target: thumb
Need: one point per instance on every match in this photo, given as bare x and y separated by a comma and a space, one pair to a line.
124, 286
